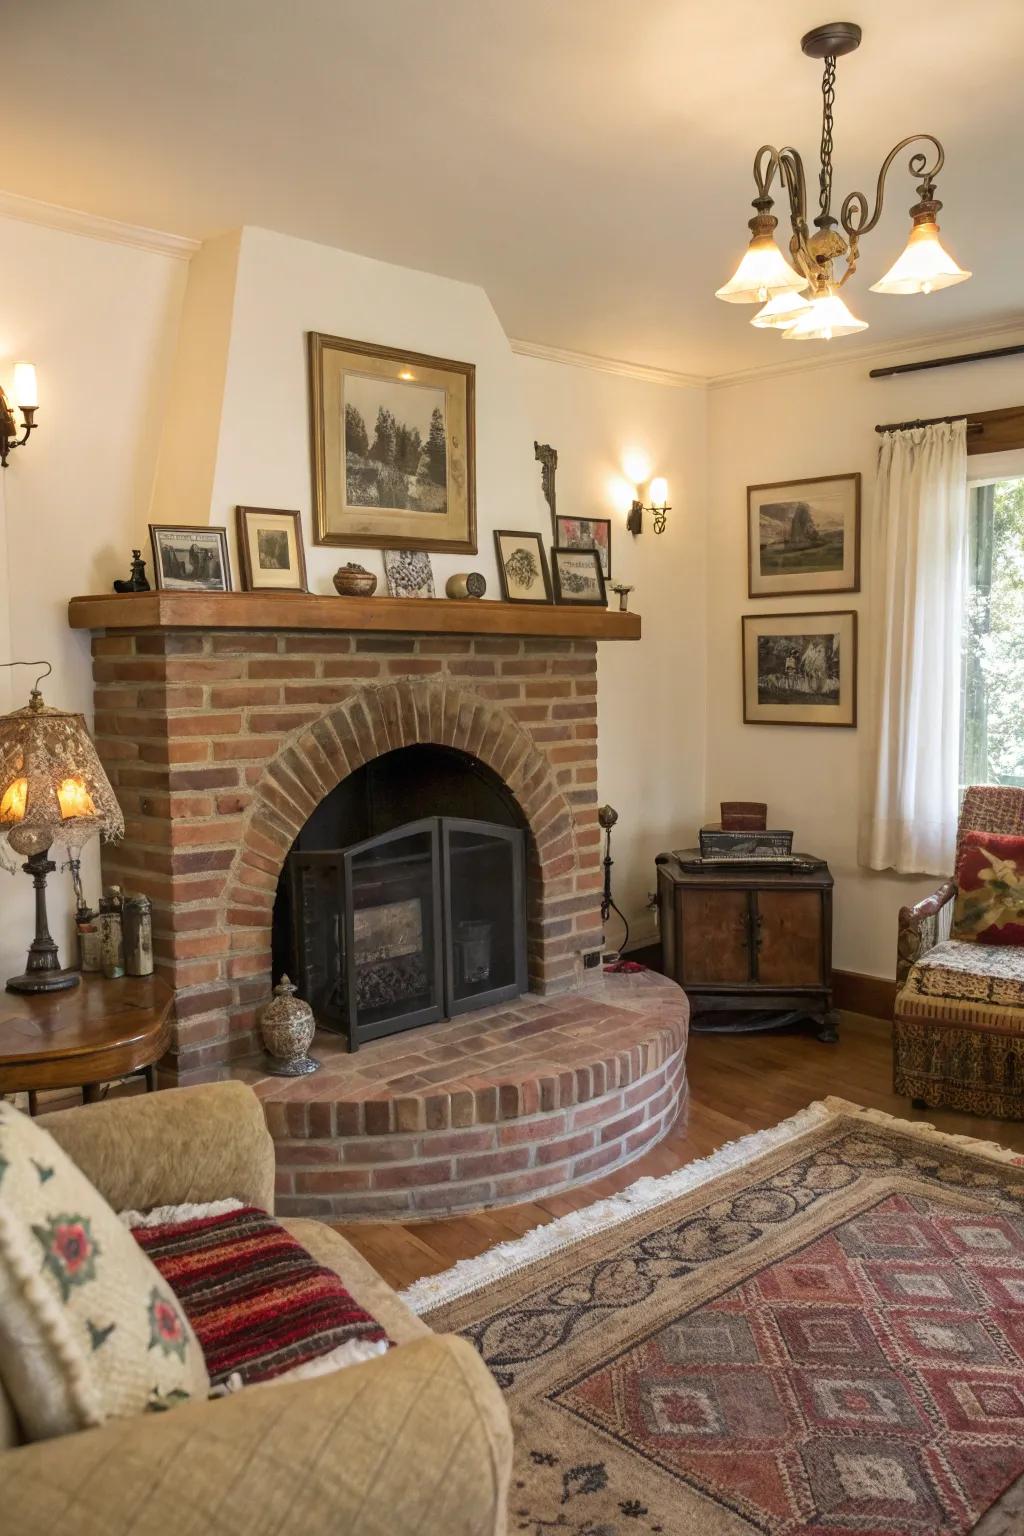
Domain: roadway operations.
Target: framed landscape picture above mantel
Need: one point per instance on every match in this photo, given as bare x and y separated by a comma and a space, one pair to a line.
803, 537
393, 447
800, 668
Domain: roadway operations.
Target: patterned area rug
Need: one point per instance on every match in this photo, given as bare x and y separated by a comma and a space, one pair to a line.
818, 1331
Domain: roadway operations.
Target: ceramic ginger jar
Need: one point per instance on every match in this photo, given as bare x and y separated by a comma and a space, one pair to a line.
287, 1027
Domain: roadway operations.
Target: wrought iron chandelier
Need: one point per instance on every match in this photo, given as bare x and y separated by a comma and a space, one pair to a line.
801, 297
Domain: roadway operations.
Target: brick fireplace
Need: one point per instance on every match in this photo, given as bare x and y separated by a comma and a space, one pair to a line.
220, 743
224, 722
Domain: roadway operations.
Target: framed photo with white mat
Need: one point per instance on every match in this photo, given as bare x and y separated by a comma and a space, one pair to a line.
803, 537
270, 550
800, 668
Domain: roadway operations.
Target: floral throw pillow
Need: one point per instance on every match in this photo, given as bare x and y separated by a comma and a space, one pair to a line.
89, 1330
990, 889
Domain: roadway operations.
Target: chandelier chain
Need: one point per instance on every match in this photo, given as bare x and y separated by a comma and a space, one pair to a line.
828, 92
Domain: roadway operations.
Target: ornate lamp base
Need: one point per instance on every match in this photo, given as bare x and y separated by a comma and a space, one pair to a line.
43, 981
299, 1066
44, 972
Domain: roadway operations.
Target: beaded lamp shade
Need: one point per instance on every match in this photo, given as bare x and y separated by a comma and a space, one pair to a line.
52, 785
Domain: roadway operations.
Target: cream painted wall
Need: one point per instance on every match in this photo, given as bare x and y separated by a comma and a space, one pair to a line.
817, 420
651, 695
99, 321
650, 751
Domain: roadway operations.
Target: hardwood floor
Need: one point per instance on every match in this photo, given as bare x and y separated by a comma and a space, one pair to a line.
738, 1083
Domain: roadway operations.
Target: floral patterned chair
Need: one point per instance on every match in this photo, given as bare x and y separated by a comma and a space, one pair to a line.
958, 1025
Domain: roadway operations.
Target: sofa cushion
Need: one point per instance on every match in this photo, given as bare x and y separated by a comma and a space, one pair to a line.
958, 971
990, 889
88, 1329
262, 1307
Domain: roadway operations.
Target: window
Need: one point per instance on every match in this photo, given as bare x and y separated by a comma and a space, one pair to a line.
992, 736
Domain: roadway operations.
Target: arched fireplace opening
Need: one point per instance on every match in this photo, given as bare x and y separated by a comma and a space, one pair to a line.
403, 899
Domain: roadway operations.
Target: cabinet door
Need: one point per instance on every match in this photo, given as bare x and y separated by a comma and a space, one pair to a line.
714, 937
788, 938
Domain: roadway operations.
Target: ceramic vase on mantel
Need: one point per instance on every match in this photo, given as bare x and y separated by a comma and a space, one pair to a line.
287, 1026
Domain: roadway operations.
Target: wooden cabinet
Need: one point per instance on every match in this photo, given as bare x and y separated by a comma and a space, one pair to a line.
747, 944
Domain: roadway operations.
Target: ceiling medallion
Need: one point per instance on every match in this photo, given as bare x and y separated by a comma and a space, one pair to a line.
800, 298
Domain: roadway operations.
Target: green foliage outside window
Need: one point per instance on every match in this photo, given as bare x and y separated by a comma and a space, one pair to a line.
993, 712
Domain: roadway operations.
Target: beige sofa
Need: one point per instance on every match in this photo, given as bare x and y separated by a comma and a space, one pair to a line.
417, 1440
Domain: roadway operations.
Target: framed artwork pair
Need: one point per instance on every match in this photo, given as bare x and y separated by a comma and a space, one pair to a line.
523, 571
803, 539
190, 558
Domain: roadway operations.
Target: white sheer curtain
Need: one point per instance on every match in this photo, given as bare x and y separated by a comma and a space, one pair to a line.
918, 561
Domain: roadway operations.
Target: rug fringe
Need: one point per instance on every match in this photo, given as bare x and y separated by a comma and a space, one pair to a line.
645, 1194
468, 1275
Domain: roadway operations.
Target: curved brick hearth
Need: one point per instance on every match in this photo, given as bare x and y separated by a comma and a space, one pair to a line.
488, 1109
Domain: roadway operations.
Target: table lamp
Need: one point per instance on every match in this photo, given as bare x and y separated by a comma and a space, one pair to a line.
52, 790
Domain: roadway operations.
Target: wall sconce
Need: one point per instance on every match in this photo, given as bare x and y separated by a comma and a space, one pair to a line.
26, 397
659, 508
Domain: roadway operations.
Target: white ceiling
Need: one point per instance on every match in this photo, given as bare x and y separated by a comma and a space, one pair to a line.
586, 161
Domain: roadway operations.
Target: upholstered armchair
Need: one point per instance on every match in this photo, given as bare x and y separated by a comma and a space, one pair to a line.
958, 1025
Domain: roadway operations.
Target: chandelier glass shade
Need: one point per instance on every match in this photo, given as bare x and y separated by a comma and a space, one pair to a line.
762, 273
924, 266
799, 291
825, 317
780, 312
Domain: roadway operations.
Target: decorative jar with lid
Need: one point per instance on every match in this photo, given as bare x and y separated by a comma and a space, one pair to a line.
287, 1026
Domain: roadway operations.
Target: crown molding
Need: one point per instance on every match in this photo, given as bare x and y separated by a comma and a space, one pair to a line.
918, 348
94, 227
663, 376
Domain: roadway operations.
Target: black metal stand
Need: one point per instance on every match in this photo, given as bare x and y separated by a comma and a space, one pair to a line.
608, 818
43, 972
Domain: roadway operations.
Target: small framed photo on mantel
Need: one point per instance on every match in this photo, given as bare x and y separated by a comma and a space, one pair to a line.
522, 568
270, 550
803, 537
587, 533
189, 558
578, 577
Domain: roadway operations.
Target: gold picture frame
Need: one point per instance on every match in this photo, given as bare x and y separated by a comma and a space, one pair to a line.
393, 447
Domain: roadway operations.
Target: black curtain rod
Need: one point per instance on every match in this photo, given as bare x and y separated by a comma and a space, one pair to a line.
930, 421
944, 362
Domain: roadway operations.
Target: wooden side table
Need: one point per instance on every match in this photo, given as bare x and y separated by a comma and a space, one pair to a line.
751, 947
99, 1031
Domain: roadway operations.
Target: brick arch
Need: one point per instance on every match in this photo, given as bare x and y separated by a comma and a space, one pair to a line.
381, 718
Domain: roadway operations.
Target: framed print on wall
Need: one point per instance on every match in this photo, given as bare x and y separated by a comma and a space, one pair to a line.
578, 577
270, 550
803, 537
800, 668
190, 558
587, 533
522, 568
393, 447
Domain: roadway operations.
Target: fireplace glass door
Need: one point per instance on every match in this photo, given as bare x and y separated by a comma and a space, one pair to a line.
483, 881
418, 924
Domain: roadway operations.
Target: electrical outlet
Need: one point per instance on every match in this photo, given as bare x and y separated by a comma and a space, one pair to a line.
591, 959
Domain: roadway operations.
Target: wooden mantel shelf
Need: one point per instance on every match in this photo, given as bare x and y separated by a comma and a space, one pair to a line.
262, 610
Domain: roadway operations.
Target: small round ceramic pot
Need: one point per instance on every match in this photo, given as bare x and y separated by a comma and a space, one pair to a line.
353, 580
287, 1026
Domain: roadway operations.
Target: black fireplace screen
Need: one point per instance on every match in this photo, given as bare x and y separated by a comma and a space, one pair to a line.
419, 924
